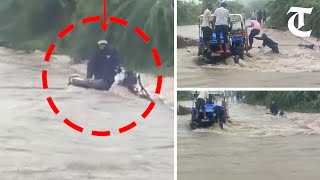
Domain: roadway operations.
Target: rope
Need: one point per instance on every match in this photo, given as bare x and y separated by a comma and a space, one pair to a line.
143, 90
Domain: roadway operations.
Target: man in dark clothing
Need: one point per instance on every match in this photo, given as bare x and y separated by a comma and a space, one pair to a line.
239, 96
264, 17
210, 100
103, 66
259, 17
274, 108
268, 42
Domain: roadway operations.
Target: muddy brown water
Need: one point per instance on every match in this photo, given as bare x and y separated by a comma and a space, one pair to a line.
294, 67
36, 144
253, 146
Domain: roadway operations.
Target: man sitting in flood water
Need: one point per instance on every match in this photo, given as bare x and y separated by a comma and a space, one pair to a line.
103, 66
274, 108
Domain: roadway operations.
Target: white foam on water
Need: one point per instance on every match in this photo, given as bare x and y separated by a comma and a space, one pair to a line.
252, 121
292, 58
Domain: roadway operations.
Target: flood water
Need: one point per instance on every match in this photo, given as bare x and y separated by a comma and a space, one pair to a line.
294, 67
36, 144
254, 145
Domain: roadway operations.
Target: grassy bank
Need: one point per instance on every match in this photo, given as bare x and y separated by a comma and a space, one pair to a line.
184, 95
298, 101
189, 11
36, 23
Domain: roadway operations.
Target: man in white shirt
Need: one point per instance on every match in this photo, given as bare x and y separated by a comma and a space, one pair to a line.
201, 100
203, 95
206, 26
221, 20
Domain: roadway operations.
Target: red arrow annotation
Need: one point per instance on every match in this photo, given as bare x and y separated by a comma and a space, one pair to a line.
104, 24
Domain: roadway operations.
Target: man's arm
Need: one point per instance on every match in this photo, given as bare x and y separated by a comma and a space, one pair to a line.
214, 18
213, 22
258, 38
229, 20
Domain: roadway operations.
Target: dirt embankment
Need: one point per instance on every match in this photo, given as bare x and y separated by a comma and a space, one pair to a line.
183, 110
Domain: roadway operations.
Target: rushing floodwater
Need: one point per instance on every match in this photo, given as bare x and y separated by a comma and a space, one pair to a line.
253, 146
294, 67
36, 144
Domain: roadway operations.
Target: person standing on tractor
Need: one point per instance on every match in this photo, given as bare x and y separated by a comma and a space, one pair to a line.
254, 32
211, 99
201, 100
221, 21
207, 26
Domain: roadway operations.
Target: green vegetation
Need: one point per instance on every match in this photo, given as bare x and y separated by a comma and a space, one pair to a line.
279, 19
184, 95
189, 11
34, 24
299, 101
256, 5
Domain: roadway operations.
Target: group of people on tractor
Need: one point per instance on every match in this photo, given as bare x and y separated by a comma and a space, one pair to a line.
207, 112
219, 21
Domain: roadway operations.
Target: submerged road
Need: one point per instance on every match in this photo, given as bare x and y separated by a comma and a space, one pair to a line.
294, 67
36, 144
253, 146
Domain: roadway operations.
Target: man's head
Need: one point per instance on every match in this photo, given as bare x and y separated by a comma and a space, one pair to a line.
264, 36
102, 44
209, 6
224, 4
273, 102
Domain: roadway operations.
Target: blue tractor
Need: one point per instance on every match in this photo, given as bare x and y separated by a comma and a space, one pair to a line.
212, 114
238, 38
